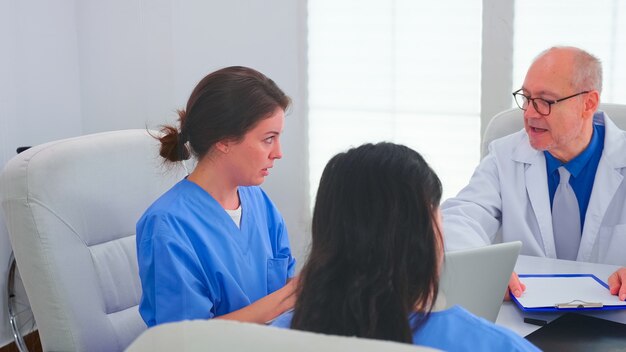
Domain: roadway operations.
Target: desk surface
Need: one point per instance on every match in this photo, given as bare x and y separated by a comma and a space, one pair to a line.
513, 318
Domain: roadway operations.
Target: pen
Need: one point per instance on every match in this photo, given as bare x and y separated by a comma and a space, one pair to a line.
534, 321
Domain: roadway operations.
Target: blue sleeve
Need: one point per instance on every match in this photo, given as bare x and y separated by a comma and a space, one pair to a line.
173, 282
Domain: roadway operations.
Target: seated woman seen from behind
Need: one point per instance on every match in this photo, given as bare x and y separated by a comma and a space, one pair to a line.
376, 254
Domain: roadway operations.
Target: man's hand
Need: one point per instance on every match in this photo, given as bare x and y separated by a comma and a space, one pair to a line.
617, 283
517, 287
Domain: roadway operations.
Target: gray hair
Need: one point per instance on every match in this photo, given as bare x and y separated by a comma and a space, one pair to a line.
587, 68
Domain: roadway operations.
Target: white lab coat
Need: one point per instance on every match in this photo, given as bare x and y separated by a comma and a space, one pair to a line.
509, 193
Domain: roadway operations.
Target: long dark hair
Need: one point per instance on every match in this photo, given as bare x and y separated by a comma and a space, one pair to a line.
375, 248
224, 105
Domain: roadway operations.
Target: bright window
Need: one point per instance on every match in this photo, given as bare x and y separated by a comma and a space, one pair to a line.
403, 71
593, 26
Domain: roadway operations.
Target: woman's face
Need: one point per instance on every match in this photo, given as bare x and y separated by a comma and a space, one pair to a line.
250, 159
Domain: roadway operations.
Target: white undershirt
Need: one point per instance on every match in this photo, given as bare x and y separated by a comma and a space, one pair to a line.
235, 215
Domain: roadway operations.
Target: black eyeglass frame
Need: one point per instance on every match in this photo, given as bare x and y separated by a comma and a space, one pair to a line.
549, 102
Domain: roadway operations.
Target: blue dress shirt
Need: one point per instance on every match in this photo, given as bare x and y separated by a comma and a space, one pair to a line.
582, 169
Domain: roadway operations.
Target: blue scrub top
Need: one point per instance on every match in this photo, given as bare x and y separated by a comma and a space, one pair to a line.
454, 329
195, 263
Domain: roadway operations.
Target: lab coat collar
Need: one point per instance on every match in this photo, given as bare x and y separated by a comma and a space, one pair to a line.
614, 140
524, 153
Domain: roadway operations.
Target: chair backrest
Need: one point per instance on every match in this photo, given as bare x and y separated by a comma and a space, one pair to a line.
224, 335
70, 207
511, 120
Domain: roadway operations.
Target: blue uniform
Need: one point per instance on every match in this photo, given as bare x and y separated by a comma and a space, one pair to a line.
195, 263
455, 329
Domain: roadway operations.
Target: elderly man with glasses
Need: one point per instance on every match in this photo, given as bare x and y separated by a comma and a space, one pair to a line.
559, 186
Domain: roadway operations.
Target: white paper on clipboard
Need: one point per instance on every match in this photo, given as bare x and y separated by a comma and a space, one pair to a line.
574, 290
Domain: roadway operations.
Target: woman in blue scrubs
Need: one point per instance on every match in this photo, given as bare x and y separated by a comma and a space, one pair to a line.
215, 245
376, 253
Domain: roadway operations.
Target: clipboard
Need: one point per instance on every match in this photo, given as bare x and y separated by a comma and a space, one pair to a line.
565, 292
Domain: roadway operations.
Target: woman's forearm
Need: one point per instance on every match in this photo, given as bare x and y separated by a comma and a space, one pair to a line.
266, 308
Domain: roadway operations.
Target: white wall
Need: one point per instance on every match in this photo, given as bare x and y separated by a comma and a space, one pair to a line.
72, 67
39, 93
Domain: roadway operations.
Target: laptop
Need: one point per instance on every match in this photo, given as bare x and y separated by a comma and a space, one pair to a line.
477, 278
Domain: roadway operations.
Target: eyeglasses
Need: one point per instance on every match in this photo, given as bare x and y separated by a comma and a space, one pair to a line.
542, 106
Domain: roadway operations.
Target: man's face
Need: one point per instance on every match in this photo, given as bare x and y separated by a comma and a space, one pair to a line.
566, 131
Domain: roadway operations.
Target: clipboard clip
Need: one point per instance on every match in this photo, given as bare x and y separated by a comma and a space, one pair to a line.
578, 304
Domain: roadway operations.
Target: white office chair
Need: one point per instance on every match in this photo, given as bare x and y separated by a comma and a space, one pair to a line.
219, 335
70, 207
511, 120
